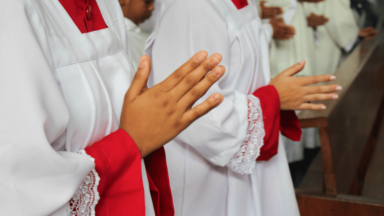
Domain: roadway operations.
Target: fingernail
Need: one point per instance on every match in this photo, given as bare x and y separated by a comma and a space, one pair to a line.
199, 58
217, 72
302, 62
216, 98
142, 63
332, 78
335, 96
215, 61
323, 107
339, 88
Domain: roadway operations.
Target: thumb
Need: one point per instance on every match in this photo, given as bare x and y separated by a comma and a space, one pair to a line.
262, 3
139, 82
294, 69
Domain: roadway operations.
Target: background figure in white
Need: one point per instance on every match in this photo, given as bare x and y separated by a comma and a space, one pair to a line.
136, 12
284, 53
198, 160
330, 30
340, 32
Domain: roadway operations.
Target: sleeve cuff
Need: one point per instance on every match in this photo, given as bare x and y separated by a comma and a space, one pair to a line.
290, 125
115, 154
270, 105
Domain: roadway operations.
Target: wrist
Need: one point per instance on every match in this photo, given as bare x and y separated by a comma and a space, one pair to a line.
137, 142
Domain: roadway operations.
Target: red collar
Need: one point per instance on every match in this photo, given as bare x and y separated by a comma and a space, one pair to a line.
240, 3
85, 14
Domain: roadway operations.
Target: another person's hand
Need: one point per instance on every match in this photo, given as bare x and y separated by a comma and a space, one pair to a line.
269, 12
153, 117
296, 92
314, 20
368, 32
281, 31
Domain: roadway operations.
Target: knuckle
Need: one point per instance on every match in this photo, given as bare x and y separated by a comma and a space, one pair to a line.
195, 93
178, 74
211, 78
207, 66
194, 64
189, 80
198, 113
138, 76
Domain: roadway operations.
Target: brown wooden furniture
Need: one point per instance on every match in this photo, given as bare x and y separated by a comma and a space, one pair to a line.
345, 176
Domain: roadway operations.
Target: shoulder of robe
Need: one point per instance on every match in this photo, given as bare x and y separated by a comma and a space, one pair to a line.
10, 9
194, 7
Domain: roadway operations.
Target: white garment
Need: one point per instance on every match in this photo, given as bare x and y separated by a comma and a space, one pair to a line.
136, 39
61, 91
284, 54
201, 182
340, 32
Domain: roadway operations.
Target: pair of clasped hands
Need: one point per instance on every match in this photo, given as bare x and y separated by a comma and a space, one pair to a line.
153, 117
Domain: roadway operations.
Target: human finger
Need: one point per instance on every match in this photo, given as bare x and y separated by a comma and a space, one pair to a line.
201, 88
320, 97
322, 89
291, 30
201, 109
309, 80
311, 106
195, 77
189, 66
294, 69
139, 82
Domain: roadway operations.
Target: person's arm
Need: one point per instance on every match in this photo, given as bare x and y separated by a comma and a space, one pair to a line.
38, 177
220, 135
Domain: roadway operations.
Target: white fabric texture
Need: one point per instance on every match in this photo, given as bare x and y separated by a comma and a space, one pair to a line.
201, 182
285, 53
245, 159
338, 33
86, 197
61, 91
137, 40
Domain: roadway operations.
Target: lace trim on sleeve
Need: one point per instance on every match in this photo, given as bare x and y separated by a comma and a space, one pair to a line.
244, 160
84, 201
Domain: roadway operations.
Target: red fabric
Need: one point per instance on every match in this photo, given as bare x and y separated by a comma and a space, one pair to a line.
270, 106
157, 171
77, 10
275, 120
290, 125
240, 3
118, 163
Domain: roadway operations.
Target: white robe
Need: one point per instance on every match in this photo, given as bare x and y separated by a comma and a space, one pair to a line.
284, 54
340, 32
323, 54
60, 92
137, 39
201, 182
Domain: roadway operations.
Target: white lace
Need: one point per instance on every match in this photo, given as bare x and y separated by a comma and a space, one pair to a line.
244, 160
84, 201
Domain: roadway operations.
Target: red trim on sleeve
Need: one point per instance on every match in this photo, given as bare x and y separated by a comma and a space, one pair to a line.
240, 3
118, 163
85, 14
290, 125
270, 106
157, 170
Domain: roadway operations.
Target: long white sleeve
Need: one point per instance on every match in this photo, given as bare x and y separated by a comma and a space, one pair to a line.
34, 178
185, 29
